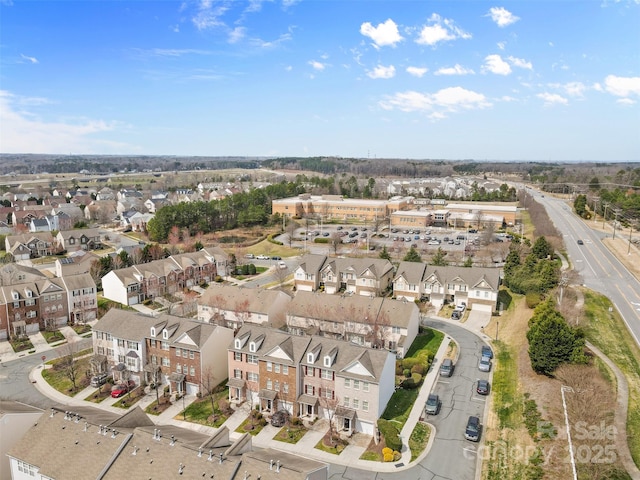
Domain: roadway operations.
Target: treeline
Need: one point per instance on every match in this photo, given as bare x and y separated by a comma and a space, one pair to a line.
239, 210
531, 271
503, 194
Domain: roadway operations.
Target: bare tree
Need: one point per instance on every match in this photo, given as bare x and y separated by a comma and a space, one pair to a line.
281, 275
208, 384
478, 217
329, 403
241, 311
290, 229
69, 363
335, 242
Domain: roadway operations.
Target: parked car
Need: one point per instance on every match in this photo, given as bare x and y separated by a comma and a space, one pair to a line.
472, 430
446, 369
281, 264
339, 227
482, 387
98, 380
122, 388
276, 257
456, 315
434, 242
263, 257
250, 256
432, 406
461, 307
486, 351
485, 364
280, 418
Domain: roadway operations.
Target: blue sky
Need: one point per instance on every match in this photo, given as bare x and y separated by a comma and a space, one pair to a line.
519, 80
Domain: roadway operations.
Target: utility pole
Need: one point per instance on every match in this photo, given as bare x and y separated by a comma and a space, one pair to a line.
595, 208
630, 232
615, 221
604, 218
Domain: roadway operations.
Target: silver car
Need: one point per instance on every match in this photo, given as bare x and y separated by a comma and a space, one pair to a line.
485, 364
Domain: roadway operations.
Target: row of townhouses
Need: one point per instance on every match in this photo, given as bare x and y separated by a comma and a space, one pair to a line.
30, 301
476, 286
310, 376
147, 281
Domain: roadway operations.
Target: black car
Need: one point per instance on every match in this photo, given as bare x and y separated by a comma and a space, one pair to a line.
276, 257
456, 315
482, 387
580, 242
432, 406
472, 430
280, 418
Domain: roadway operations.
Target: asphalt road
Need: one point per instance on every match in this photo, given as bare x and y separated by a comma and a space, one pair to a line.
14, 378
599, 268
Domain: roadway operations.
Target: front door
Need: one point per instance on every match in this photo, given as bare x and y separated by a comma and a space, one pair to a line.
347, 424
309, 410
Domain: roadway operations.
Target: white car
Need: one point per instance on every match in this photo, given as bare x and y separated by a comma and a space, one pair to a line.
282, 265
434, 242
461, 307
263, 257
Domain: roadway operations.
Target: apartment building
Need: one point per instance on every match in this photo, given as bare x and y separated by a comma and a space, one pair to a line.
360, 276
232, 306
374, 322
477, 287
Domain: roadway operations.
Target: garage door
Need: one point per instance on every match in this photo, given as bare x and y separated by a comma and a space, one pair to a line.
481, 307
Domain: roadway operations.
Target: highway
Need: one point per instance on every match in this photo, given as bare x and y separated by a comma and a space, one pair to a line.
599, 268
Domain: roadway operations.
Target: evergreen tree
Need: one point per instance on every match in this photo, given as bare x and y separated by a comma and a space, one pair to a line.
412, 256
384, 254
438, 258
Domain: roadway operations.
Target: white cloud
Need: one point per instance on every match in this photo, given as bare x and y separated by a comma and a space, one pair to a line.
382, 72
495, 64
417, 71
319, 66
455, 70
29, 59
385, 34
437, 105
24, 132
502, 17
622, 86
501, 45
625, 101
551, 99
575, 89
440, 30
208, 15
519, 62
237, 34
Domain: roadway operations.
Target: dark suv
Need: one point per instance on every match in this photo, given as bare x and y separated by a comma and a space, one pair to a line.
472, 431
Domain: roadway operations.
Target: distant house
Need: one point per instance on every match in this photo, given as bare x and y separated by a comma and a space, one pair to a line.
40, 225
139, 221
79, 239
39, 244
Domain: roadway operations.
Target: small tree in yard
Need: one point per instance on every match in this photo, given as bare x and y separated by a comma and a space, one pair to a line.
69, 363
329, 404
552, 341
384, 254
412, 256
208, 384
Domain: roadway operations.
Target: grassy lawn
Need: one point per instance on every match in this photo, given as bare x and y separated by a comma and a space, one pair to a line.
203, 413
52, 337
507, 401
81, 329
429, 340
399, 406
131, 398
21, 345
100, 394
252, 429
419, 439
335, 446
291, 434
157, 409
607, 331
58, 378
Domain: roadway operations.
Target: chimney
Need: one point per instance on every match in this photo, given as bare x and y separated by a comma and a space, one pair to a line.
77, 418
173, 440
200, 452
271, 465
53, 412
210, 455
86, 426
278, 466
66, 415
100, 430
220, 459
135, 450
180, 469
104, 432
245, 475
113, 433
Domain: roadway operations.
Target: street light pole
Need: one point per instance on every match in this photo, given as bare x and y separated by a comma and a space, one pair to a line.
564, 388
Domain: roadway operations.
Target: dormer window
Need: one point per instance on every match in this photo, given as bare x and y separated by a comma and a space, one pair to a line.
165, 334
15, 295
28, 292
327, 361
238, 344
153, 331
252, 347
310, 357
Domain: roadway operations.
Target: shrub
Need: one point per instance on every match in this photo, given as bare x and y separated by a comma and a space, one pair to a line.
296, 421
396, 456
390, 434
533, 299
387, 450
321, 240
417, 378
418, 368
398, 367
387, 457
406, 372
410, 362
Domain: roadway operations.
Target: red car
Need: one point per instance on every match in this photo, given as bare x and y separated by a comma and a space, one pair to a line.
123, 388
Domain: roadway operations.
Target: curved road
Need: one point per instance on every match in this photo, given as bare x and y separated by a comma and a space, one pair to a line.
600, 269
451, 456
